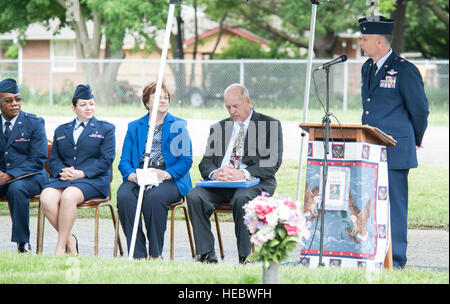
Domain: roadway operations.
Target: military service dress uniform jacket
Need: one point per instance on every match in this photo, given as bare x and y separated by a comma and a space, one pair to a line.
397, 105
93, 154
25, 152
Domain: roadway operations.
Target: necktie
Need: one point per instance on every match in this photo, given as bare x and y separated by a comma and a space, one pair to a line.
235, 159
373, 71
77, 132
7, 130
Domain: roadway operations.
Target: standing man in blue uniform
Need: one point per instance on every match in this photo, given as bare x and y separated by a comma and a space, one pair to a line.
23, 151
393, 100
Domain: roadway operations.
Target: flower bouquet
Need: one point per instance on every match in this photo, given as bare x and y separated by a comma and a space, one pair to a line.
276, 225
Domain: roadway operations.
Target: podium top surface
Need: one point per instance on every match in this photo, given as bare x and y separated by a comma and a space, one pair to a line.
349, 132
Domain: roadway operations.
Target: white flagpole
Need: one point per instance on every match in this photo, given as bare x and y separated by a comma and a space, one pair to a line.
312, 30
151, 129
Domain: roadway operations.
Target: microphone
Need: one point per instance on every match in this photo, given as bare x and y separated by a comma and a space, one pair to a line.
326, 65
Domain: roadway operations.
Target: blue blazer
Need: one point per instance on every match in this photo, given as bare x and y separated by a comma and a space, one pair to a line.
396, 104
93, 153
26, 150
176, 149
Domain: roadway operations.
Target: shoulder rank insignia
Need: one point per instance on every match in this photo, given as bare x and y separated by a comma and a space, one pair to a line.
391, 72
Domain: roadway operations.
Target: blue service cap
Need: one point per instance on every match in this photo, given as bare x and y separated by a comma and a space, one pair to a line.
83, 91
9, 85
376, 25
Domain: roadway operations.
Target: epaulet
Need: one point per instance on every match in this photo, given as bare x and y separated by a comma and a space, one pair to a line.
105, 122
400, 59
31, 115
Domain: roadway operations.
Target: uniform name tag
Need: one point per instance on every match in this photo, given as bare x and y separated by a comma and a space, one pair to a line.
61, 137
388, 82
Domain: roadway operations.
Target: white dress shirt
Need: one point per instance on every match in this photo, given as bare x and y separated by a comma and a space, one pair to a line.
77, 130
229, 150
383, 60
12, 121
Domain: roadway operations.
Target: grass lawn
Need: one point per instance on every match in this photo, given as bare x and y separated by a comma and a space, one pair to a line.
42, 269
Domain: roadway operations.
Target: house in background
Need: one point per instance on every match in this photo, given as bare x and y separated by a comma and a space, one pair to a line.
208, 41
47, 60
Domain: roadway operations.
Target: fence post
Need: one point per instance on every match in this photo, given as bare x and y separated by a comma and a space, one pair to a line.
241, 72
20, 65
142, 75
345, 93
50, 85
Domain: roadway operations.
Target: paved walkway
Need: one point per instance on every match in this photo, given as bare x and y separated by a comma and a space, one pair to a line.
427, 249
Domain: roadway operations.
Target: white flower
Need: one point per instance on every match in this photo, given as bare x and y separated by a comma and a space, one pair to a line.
284, 213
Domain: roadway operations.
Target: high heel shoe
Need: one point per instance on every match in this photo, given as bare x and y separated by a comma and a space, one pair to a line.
76, 244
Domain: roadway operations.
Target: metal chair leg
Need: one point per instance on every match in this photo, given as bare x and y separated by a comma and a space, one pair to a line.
219, 236
96, 231
115, 223
188, 227
172, 228
116, 235
40, 229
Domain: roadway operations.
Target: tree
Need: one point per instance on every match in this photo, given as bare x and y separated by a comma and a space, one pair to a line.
428, 28
288, 20
420, 24
111, 20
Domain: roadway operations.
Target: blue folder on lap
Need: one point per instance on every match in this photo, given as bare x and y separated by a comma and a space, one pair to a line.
211, 183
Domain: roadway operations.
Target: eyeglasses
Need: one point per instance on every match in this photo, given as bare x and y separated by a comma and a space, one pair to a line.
18, 99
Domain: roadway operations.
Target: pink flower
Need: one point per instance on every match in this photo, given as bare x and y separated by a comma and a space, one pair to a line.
262, 210
291, 230
290, 204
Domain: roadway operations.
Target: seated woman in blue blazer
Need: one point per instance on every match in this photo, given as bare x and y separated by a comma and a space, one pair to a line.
80, 161
171, 158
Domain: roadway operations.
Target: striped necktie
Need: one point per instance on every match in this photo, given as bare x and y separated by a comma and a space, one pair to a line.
236, 155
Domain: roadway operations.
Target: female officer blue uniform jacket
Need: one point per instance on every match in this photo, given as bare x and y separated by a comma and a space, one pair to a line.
397, 105
93, 153
26, 150
175, 144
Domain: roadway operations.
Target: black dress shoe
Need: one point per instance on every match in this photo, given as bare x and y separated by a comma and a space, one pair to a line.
243, 260
23, 247
209, 257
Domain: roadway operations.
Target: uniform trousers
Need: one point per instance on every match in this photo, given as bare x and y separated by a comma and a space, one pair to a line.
155, 211
201, 204
398, 200
18, 194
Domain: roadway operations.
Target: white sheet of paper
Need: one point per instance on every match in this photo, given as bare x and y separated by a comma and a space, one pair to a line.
147, 177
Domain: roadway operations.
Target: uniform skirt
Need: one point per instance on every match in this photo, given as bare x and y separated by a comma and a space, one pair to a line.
88, 190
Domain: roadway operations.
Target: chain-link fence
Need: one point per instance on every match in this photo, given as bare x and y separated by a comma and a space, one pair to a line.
271, 83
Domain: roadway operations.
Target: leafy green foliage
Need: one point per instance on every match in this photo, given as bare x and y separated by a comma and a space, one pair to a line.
275, 250
242, 48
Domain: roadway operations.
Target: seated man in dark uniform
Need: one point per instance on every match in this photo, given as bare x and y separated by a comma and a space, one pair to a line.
23, 151
247, 144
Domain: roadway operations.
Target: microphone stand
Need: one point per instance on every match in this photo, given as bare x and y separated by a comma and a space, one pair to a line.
326, 120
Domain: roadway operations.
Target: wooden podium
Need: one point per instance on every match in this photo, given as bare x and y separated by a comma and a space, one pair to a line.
360, 144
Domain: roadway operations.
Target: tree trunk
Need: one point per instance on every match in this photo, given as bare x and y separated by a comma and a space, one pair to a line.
398, 35
324, 46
